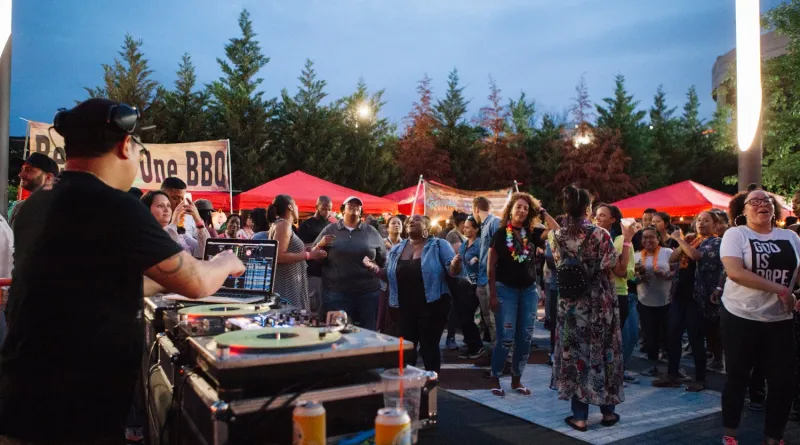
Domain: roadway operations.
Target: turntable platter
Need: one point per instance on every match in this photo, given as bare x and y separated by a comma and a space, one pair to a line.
224, 310
276, 339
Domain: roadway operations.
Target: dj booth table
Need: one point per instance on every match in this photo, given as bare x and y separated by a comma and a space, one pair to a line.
200, 388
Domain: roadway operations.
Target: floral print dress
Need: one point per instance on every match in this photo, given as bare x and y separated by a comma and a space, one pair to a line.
587, 362
708, 276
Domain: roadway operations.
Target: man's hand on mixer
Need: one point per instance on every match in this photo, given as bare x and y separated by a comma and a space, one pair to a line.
192, 278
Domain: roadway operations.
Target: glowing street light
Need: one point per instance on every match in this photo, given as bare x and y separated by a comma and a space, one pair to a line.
364, 111
748, 91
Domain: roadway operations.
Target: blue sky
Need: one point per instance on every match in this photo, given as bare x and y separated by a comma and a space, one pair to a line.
541, 47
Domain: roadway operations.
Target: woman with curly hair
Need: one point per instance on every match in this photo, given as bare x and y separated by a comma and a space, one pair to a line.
587, 362
761, 262
513, 293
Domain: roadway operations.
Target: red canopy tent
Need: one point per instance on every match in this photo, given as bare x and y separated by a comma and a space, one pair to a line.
305, 189
686, 198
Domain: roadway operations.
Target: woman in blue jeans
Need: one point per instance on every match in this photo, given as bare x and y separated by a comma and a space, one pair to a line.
513, 293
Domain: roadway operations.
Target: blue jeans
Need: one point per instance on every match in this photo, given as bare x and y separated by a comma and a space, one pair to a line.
514, 322
361, 307
580, 410
630, 332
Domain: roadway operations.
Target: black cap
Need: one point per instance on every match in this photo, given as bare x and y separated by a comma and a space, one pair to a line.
42, 162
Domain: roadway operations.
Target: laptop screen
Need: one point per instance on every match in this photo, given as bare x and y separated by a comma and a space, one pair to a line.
259, 258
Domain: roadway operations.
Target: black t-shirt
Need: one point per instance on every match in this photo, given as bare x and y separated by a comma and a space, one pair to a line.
75, 334
684, 287
308, 233
510, 272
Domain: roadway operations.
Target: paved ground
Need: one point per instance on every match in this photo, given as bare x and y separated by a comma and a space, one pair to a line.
469, 413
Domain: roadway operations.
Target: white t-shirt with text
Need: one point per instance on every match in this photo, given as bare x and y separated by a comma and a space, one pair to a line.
654, 291
772, 256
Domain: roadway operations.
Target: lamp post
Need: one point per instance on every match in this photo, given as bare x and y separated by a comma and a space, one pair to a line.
748, 91
5, 99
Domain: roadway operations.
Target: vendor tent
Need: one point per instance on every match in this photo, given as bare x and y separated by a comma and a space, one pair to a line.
686, 198
305, 189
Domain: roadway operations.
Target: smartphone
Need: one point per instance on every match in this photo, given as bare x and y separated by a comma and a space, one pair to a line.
188, 197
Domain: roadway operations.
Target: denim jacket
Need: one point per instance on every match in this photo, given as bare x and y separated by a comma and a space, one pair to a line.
436, 256
469, 270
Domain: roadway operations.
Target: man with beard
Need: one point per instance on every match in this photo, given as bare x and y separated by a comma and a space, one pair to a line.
37, 171
72, 382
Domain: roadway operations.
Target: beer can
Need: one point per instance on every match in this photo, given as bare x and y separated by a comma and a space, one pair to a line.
309, 424
392, 427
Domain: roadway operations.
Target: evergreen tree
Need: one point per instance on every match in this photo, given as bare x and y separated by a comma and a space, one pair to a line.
581, 112
367, 159
620, 114
417, 151
522, 116
545, 152
506, 161
305, 130
128, 79
240, 112
455, 135
181, 115
664, 141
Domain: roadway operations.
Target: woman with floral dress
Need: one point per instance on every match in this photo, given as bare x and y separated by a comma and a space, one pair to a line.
587, 361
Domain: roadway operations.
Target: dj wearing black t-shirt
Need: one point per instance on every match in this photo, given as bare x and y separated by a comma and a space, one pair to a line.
69, 363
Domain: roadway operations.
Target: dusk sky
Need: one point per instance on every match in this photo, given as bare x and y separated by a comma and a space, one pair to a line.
540, 47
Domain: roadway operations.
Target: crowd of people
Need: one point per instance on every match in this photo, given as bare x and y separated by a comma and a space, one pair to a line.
726, 279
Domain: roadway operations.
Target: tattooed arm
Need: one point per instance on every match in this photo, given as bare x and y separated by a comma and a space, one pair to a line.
192, 278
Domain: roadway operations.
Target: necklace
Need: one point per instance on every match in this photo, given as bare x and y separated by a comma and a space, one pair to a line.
655, 258
512, 248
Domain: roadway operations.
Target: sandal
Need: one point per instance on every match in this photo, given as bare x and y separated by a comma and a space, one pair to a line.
582, 429
499, 392
611, 422
522, 390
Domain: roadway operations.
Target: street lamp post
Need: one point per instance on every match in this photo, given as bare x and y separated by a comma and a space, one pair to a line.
748, 91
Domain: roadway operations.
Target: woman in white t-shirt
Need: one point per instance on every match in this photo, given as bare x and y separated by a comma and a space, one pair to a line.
654, 281
761, 262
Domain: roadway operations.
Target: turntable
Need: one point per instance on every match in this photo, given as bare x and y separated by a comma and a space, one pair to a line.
262, 361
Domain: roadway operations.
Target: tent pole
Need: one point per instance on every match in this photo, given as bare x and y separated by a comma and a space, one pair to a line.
230, 173
416, 195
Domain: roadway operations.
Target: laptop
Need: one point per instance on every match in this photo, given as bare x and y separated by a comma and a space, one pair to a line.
260, 258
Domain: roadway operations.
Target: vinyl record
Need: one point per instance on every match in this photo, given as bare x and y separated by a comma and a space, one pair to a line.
277, 339
223, 310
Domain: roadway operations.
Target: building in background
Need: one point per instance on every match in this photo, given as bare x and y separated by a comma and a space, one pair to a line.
772, 45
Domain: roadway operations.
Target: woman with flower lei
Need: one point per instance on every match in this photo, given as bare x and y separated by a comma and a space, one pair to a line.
513, 293
654, 280
686, 309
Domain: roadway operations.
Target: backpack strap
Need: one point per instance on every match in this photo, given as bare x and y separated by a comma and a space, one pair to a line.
581, 246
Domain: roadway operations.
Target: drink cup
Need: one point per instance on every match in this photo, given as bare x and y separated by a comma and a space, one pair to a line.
413, 380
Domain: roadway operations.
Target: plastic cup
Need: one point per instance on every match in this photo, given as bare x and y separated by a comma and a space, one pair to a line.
413, 381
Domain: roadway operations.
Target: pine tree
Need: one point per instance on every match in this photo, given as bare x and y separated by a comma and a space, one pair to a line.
544, 152
581, 112
455, 135
181, 115
417, 151
368, 158
129, 80
305, 130
506, 162
664, 141
598, 166
240, 112
621, 115
522, 116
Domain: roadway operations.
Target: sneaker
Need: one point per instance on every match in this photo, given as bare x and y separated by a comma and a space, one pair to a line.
451, 344
683, 375
728, 440
473, 355
652, 372
629, 378
134, 435
755, 406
